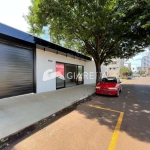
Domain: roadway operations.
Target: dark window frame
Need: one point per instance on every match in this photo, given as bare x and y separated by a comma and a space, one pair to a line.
65, 73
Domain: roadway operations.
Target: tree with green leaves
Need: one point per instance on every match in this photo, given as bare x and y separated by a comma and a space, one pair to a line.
126, 71
91, 27
136, 13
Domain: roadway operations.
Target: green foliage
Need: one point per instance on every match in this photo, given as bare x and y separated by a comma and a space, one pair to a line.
124, 77
91, 27
125, 71
136, 14
103, 29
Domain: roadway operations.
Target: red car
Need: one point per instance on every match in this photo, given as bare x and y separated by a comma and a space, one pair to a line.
109, 86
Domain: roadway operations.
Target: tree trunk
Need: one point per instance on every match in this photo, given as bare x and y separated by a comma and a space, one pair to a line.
98, 71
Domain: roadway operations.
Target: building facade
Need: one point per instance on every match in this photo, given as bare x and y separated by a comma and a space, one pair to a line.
145, 62
113, 69
128, 65
147, 71
31, 65
139, 69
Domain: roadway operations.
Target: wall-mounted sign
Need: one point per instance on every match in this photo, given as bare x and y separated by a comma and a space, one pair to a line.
59, 69
50, 60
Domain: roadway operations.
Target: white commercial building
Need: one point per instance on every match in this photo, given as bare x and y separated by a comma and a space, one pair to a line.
47, 63
31, 65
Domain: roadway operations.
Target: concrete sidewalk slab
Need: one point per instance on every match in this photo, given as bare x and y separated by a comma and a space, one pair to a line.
17, 113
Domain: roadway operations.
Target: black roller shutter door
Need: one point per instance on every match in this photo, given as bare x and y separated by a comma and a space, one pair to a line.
16, 70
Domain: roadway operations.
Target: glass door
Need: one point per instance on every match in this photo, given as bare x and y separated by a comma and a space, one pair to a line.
60, 80
79, 74
70, 75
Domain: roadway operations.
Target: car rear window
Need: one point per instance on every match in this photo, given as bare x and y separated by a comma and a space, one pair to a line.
109, 80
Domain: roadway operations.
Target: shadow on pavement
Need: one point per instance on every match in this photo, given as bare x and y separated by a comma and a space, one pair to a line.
134, 101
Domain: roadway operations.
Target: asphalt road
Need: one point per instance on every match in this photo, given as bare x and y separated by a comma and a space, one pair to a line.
99, 125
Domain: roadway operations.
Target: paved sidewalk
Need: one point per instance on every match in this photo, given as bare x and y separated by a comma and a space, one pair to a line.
17, 113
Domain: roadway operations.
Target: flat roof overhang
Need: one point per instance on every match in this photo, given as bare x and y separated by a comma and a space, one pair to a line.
64, 53
16, 35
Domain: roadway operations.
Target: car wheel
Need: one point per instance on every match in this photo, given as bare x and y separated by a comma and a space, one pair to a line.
96, 93
121, 89
117, 93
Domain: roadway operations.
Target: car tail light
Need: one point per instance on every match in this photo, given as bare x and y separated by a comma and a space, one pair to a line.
98, 87
112, 88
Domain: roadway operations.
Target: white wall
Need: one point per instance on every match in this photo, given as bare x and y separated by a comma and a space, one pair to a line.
46, 61
42, 65
91, 78
128, 65
114, 69
121, 63
103, 71
89, 73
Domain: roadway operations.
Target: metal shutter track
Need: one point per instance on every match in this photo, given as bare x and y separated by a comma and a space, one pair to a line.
16, 71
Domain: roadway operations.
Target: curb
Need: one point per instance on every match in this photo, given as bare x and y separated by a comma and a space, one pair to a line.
5, 142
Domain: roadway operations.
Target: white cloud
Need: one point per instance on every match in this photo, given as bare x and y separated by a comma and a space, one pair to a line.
140, 55
136, 60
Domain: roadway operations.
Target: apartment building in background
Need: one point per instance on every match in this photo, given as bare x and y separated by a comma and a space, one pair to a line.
128, 65
147, 71
145, 62
113, 69
139, 69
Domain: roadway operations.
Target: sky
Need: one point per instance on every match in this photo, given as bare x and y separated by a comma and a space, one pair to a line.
136, 61
12, 11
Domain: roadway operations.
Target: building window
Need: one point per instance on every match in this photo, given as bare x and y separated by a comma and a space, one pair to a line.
114, 62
